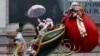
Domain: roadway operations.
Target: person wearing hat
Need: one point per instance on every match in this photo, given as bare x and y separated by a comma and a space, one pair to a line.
74, 9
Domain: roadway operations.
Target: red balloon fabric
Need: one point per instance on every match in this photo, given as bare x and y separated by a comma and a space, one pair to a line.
72, 33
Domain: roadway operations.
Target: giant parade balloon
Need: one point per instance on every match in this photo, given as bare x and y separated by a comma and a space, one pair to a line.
81, 30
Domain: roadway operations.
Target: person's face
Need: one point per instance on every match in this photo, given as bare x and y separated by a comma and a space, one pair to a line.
16, 31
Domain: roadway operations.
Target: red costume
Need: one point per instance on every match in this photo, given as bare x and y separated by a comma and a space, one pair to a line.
86, 43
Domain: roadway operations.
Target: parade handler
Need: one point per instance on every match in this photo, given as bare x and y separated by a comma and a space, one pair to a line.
20, 44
